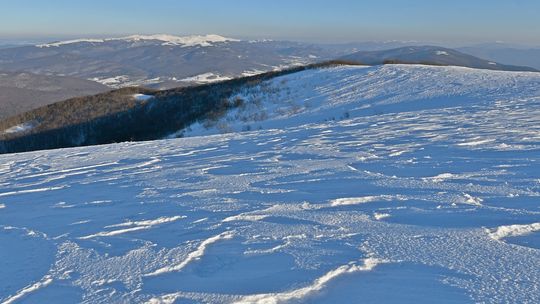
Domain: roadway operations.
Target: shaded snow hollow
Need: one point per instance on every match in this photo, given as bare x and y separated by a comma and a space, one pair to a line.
422, 181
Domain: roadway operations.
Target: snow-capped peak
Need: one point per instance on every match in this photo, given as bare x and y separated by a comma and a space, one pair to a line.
194, 40
59, 43
185, 41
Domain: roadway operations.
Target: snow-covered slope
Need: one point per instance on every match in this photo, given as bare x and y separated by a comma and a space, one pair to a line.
322, 95
392, 184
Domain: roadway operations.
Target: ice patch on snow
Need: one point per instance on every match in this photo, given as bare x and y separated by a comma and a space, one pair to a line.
442, 53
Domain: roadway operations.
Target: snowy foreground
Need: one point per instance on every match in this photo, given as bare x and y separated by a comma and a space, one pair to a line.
395, 184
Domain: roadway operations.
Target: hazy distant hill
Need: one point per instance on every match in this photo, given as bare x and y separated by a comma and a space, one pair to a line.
21, 92
508, 54
432, 55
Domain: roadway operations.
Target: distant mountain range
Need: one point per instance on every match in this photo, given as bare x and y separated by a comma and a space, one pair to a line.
38, 75
430, 55
162, 61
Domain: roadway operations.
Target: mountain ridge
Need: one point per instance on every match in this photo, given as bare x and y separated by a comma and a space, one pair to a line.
167, 39
430, 55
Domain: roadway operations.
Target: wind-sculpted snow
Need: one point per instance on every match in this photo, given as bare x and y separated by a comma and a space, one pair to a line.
514, 230
387, 184
137, 225
46, 281
193, 256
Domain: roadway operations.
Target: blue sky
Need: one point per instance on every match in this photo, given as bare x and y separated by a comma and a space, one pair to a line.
516, 21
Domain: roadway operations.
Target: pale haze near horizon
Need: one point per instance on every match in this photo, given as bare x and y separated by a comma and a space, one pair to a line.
451, 22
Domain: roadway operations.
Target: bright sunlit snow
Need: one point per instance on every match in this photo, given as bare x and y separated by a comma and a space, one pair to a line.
442, 53
391, 184
206, 78
142, 97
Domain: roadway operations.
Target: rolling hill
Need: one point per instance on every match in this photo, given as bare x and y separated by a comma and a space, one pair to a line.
21, 92
524, 56
430, 55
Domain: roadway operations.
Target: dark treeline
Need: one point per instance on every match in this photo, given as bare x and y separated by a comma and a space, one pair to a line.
117, 117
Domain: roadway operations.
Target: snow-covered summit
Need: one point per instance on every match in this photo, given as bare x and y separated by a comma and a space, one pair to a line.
194, 40
185, 41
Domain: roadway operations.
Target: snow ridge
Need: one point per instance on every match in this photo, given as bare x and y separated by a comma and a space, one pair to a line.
364, 200
502, 232
47, 280
195, 255
171, 40
139, 225
319, 284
